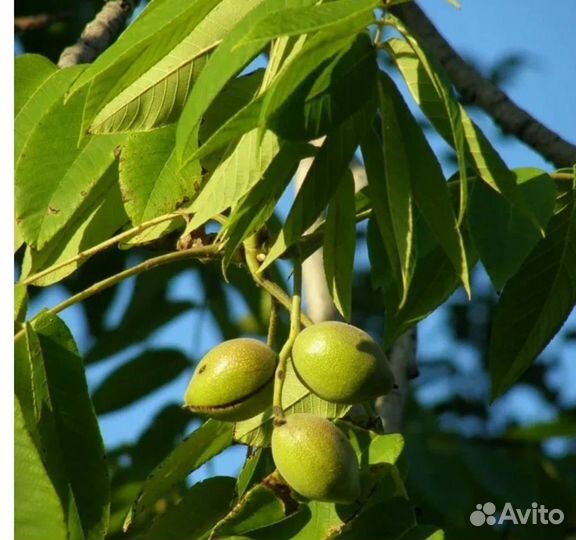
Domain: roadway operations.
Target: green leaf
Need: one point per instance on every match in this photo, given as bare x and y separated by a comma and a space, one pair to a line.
159, 94
194, 516
137, 378
424, 532
542, 431
142, 82
258, 465
403, 137
429, 89
46, 140
20, 303
261, 507
202, 445
256, 207
77, 437
433, 281
325, 83
150, 181
31, 71
340, 245
40, 86
223, 65
324, 522
234, 112
321, 180
390, 519
296, 398
502, 234
95, 221
38, 512
234, 177
333, 19
381, 221
385, 448
536, 301
434, 95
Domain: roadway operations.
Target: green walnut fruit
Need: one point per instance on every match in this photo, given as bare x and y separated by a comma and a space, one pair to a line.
234, 381
316, 459
341, 363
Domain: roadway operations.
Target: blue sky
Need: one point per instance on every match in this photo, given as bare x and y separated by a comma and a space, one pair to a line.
485, 31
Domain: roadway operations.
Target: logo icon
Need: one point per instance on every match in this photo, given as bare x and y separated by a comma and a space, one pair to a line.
486, 514
483, 514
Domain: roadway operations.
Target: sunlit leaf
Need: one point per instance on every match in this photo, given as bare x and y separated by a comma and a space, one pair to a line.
234, 177
46, 133
38, 512
95, 221
150, 181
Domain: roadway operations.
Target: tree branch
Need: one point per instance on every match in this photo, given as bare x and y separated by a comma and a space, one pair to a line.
99, 34
479, 91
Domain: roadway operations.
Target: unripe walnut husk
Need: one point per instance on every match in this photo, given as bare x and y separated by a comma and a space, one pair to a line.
316, 459
341, 363
234, 381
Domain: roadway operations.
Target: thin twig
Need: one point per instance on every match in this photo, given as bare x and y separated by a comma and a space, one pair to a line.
272, 323
479, 91
112, 241
251, 254
287, 347
99, 34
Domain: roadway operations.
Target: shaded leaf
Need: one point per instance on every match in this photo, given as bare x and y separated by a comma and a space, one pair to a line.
536, 301
428, 87
256, 207
340, 245
200, 446
322, 86
321, 180
502, 234
194, 516
333, 19
261, 507
138, 322
223, 65
234, 112
258, 465
137, 378
428, 186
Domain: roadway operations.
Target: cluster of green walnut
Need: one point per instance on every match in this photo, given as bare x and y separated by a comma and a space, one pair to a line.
334, 360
